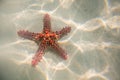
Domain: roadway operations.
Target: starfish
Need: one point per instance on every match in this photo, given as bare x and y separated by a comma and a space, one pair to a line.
46, 38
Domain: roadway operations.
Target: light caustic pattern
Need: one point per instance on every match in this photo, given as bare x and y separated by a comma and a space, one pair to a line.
93, 45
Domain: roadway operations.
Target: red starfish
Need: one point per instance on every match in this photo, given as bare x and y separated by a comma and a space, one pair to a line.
45, 39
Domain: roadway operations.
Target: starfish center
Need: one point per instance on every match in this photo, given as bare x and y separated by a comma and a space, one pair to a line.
49, 37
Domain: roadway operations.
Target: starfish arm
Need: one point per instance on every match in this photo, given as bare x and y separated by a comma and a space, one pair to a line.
63, 31
62, 52
28, 35
38, 56
47, 23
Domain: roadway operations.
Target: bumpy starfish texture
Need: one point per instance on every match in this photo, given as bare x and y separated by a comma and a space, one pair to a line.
45, 39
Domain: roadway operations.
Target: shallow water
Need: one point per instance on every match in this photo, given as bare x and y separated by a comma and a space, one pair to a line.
93, 45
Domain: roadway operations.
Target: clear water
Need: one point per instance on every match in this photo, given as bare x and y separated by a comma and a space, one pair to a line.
93, 45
